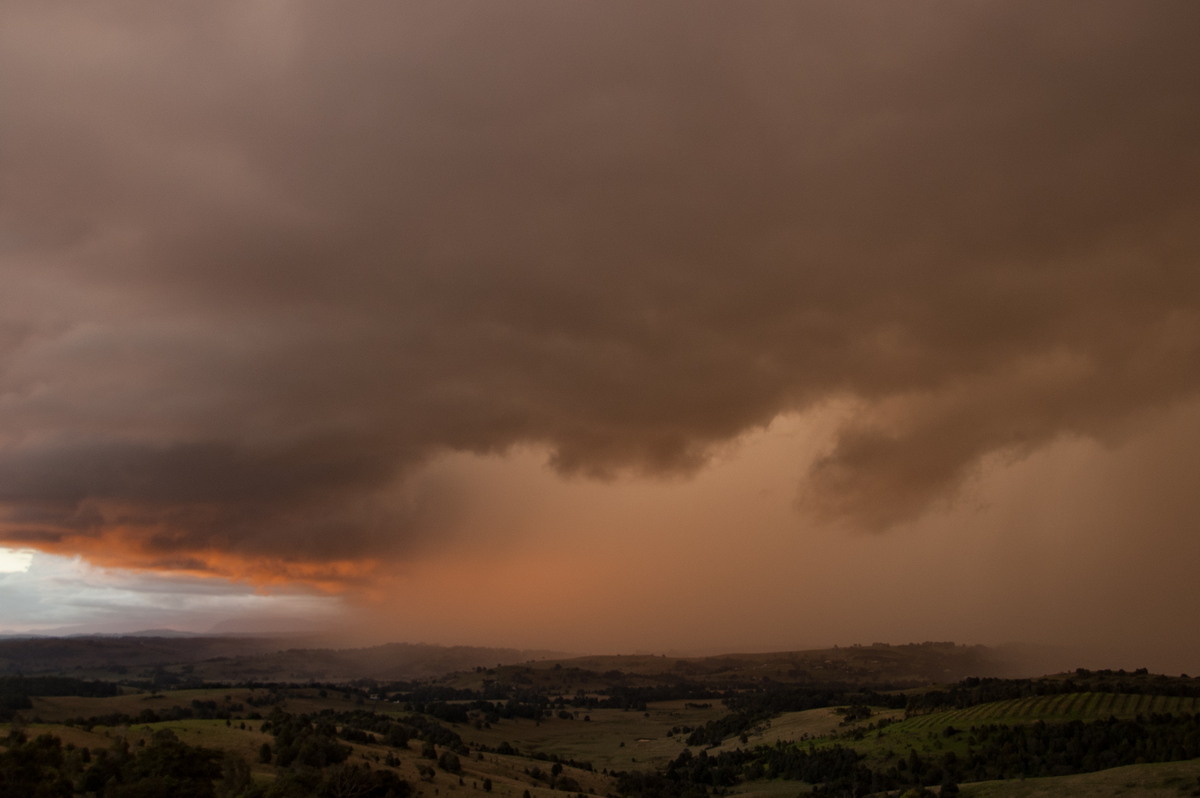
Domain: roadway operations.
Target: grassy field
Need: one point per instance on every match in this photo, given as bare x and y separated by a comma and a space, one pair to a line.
1159, 780
809, 724
59, 708
508, 774
618, 740
927, 733
69, 735
612, 738
1057, 708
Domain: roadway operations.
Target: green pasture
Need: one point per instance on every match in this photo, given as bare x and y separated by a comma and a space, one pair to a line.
616, 739
210, 734
1157, 780
1058, 708
927, 734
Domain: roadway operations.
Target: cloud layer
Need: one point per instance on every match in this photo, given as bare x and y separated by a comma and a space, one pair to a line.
261, 263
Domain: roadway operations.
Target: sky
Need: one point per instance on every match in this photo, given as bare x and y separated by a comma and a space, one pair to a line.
604, 327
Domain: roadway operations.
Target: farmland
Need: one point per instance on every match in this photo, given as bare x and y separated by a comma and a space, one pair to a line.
648, 728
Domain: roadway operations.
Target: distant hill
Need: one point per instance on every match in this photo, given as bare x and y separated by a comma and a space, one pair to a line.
176, 659
116, 656
388, 662
868, 666
242, 658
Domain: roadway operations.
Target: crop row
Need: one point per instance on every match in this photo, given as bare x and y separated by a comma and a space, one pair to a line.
1057, 708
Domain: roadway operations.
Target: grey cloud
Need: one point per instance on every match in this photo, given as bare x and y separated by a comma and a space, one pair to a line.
268, 259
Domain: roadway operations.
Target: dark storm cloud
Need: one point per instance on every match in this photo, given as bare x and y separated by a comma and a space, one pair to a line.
260, 261
195, 496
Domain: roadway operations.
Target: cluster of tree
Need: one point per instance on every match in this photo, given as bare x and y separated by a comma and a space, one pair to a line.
309, 759
271, 699
308, 748
993, 752
1053, 749
298, 739
554, 778
56, 686
714, 732
523, 704
520, 690
16, 691
1031, 750
854, 713
431, 731
534, 705
338, 781
827, 765
44, 768
409, 693
973, 691
361, 726
751, 709
314, 762
628, 697
201, 710
778, 699
648, 784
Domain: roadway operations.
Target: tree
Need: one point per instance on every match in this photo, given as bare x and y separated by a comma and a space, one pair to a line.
33, 768
235, 776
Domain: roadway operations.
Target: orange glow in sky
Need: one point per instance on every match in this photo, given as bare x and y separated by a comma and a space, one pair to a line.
673, 326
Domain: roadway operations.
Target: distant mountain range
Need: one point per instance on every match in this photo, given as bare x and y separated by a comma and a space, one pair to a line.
232, 627
83, 631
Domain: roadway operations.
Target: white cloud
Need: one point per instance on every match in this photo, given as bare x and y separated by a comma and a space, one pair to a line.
15, 560
52, 593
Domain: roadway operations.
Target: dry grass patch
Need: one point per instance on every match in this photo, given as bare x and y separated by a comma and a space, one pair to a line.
613, 738
69, 735
808, 724
59, 708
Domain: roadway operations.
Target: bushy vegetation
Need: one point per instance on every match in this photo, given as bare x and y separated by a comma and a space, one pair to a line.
973, 691
998, 751
542, 729
15, 691
752, 708
166, 767
307, 758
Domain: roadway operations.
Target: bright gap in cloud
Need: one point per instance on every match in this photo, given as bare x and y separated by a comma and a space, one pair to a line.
13, 561
51, 593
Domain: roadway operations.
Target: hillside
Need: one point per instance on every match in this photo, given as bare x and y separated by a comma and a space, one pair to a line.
172, 660
179, 660
839, 722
